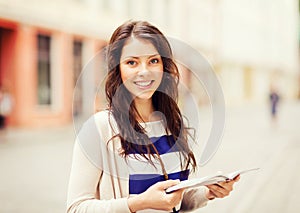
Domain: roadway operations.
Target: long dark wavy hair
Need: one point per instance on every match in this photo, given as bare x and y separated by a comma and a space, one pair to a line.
164, 100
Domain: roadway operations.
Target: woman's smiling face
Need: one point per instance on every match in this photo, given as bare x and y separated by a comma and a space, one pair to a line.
141, 68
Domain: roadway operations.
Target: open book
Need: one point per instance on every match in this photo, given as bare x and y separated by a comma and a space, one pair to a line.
219, 177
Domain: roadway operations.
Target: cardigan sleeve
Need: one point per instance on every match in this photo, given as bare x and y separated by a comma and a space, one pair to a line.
82, 190
86, 172
194, 198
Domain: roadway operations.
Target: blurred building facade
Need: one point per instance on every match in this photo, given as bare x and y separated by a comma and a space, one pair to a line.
45, 44
43, 50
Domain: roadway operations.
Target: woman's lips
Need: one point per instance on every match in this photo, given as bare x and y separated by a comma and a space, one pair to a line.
144, 84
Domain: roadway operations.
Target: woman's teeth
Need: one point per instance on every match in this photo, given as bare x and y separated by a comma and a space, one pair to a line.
143, 83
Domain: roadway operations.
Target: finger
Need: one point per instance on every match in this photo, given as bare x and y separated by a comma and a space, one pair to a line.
211, 195
219, 191
226, 185
178, 194
237, 178
168, 183
215, 187
175, 197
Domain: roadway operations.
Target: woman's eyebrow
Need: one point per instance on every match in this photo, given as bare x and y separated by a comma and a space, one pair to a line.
150, 56
137, 57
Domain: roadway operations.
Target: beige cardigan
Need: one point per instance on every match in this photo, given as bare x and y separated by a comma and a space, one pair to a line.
99, 178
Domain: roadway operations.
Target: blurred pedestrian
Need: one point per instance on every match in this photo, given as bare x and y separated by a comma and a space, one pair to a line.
274, 101
5, 106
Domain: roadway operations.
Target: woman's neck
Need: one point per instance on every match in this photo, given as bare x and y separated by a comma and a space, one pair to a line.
145, 109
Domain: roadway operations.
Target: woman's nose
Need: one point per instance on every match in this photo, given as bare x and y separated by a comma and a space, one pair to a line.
143, 70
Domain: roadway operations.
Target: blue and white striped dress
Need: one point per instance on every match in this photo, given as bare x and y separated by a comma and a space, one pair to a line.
142, 174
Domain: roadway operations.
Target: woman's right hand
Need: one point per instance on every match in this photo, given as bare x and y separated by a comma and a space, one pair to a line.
155, 197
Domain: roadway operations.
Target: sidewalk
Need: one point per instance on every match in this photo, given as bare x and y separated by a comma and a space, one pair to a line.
35, 164
251, 140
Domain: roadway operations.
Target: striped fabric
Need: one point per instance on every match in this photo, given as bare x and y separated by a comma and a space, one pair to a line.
142, 173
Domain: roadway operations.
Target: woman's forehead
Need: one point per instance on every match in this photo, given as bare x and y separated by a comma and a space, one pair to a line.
134, 47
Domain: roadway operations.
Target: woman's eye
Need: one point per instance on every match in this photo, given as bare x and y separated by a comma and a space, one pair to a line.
154, 61
131, 63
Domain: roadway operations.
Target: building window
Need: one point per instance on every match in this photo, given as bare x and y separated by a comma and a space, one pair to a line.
44, 70
77, 66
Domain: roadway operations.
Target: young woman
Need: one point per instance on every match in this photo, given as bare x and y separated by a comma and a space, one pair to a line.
126, 156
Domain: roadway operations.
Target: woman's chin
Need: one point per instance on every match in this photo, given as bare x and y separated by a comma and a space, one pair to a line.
144, 95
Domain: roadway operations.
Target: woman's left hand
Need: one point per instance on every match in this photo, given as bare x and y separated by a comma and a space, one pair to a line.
221, 189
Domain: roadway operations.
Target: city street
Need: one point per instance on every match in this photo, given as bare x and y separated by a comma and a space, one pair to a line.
35, 164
